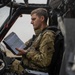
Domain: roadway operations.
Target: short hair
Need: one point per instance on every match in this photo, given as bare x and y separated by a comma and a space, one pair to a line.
41, 12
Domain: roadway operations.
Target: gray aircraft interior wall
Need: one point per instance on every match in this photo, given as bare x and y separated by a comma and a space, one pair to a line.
68, 62
54, 3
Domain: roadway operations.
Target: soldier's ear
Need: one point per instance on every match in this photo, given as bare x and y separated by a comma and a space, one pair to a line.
42, 18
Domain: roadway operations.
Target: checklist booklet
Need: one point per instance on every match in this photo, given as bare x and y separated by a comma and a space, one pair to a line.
12, 41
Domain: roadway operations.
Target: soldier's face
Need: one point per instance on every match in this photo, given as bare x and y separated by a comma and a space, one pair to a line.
36, 21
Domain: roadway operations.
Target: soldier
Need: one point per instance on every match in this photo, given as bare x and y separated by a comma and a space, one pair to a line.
39, 50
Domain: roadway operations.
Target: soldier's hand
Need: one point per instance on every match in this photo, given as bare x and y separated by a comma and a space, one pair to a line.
21, 51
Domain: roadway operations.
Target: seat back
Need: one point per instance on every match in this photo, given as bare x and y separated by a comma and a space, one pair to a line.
55, 65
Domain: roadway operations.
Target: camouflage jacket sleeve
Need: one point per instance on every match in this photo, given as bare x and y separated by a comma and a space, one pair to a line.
42, 56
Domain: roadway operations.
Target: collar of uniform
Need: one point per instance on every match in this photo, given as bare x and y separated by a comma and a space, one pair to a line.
38, 31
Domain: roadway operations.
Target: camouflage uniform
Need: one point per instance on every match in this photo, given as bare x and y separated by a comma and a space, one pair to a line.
40, 53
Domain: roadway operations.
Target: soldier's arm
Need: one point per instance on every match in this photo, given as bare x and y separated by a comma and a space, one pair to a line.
27, 42
42, 57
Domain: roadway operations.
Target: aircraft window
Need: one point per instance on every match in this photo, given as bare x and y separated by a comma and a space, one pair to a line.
23, 28
33, 1
20, 1
4, 12
38, 1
